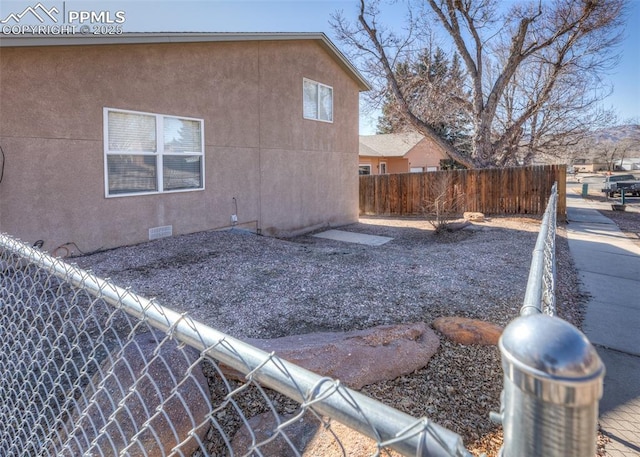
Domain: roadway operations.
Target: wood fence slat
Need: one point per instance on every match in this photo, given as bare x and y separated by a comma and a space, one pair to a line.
522, 190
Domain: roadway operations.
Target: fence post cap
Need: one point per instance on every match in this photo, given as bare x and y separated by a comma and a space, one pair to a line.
551, 359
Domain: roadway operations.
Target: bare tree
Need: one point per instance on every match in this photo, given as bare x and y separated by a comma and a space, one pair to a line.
610, 151
560, 122
553, 41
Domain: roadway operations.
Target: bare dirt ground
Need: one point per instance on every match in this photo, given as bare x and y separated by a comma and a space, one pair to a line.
252, 286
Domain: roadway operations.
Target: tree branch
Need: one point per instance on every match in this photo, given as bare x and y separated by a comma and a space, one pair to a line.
421, 126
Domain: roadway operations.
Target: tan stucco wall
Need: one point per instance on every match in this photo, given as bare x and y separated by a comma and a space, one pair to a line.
425, 154
286, 173
394, 164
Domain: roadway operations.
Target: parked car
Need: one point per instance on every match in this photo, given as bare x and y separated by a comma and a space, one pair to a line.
615, 183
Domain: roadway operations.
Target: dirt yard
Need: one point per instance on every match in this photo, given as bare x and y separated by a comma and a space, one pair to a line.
260, 287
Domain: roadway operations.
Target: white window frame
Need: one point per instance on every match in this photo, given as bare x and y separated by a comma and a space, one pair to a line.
158, 154
362, 165
317, 117
382, 165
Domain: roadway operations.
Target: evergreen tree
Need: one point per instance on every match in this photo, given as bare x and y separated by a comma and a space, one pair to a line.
433, 85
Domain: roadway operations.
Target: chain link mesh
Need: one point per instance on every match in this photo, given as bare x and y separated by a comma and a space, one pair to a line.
541, 285
92, 369
549, 275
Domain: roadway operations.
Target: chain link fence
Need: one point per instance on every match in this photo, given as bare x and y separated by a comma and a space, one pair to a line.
93, 369
552, 374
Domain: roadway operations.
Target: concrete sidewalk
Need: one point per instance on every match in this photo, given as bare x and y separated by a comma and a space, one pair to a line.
608, 265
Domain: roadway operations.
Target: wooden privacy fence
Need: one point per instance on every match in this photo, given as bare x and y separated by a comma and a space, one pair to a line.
522, 190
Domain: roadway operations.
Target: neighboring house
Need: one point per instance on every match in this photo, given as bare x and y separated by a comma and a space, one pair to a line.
114, 140
630, 164
588, 166
398, 153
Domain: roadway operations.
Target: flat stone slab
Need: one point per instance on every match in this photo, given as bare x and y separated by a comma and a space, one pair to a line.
351, 237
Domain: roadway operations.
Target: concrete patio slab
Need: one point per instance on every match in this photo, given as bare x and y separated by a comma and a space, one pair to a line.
586, 215
612, 326
351, 237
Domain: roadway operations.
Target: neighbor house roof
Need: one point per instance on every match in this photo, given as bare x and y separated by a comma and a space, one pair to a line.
184, 37
388, 144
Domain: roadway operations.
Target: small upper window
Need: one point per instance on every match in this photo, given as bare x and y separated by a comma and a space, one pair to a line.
317, 101
151, 153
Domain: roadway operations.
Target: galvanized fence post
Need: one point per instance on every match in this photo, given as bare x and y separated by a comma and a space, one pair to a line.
552, 385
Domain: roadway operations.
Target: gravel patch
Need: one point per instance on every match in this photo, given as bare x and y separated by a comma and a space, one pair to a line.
252, 286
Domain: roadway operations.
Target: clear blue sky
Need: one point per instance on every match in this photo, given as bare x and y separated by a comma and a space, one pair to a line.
311, 16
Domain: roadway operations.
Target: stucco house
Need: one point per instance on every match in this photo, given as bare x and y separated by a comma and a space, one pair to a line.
398, 153
115, 140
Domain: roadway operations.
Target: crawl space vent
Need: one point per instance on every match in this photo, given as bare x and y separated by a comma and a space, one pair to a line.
160, 232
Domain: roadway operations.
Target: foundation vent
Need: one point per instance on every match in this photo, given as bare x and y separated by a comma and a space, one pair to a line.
160, 232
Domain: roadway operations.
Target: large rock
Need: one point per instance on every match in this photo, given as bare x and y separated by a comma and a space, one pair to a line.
468, 331
308, 435
360, 357
473, 216
110, 422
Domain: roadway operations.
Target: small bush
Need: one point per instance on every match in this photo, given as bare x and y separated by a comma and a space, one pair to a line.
445, 205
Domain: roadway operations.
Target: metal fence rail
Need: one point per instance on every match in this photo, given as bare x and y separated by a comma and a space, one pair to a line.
94, 369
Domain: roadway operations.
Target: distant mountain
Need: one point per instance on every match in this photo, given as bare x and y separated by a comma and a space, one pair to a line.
622, 133
600, 146
619, 141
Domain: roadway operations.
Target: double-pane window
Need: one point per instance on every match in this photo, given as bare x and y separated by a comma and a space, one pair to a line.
152, 153
317, 101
